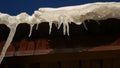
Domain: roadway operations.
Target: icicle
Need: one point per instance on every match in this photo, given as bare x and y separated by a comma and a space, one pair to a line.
50, 27
85, 26
60, 22
37, 25
8, 41
31, 27
67, 26
64, 28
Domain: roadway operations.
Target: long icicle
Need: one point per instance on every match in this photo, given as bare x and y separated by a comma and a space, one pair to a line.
60, 22
50, 27
37, 26
85, 26
8, 41
67, 27
64, 28
31, 27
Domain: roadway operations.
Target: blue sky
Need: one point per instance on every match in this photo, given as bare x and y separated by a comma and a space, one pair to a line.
14, 7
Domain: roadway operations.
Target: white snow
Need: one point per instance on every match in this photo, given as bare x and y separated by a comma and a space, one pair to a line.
58, 16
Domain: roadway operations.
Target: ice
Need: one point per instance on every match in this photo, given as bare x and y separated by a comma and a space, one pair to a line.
50, 27
8, 42
58, 16
31, 28
37, 25
85, 26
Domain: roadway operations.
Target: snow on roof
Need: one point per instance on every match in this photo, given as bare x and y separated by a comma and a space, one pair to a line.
62, 15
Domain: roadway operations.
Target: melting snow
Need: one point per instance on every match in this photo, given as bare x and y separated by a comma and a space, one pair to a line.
63, 15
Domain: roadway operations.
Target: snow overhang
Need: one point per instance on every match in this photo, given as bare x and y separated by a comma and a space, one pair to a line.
58, 16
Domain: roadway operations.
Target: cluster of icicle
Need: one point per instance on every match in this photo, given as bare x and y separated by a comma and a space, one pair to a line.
63, 15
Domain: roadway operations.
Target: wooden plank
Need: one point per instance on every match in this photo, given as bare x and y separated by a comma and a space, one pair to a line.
65, 57
49, 65
74, 64
65, 64
40, 47
14, 66
33, 65
10, 51
116, 63
22, 48
105, 48
44, 44
25, 66
16, 46
1, 45
41, 44
37, 46
96, 64
44, 65
30, 48
53, 65
3, 66
117, 42
85, 64
107, 63
70, 64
